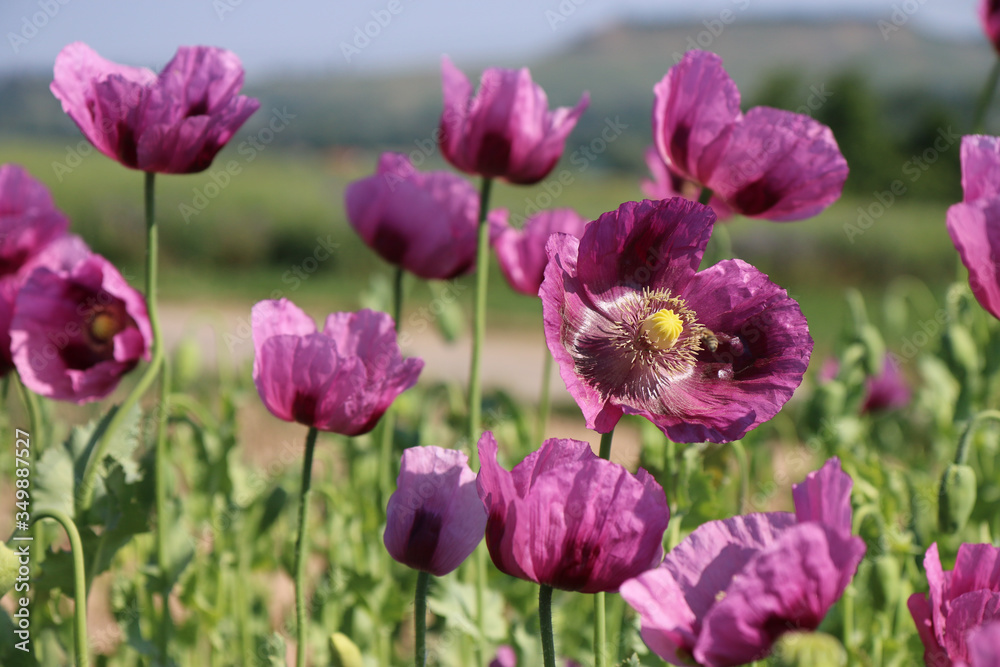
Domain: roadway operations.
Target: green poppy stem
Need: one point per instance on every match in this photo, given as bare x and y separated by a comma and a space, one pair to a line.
162, 520
743, 461
479, 320
600, 621
985, 97
543, 401
86, 489
475, 390
82, 659
387, 425
301, 550
420, 619
545, 625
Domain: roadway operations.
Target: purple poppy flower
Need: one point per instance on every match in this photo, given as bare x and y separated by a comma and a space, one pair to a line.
566, 518
958, 603
435, 518
974, 224
77, 326
887, 390
666, 183
29, 221
732, 587
172, 123
505, 657
635, 328
767, 163
989, 17
506, 130
341, 379
521, 252
423, 222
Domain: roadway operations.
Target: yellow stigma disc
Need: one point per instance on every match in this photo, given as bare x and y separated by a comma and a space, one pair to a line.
104, 327
663, 328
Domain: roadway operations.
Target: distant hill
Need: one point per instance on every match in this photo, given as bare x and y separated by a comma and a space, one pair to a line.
618, 65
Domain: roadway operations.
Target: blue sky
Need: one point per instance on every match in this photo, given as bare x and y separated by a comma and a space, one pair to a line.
323, 35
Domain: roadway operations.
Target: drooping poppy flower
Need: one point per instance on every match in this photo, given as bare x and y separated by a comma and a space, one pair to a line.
521, 252
77, 326
959, 602
888, 390
666, 183
637, 329
172, 123
974, 224
435, 518
341, 379
767, 163
731, 588
29, 221
989, 17
506, 130
569, 519
423, 222
883, 392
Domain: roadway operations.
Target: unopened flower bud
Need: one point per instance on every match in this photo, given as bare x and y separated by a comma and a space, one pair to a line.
957, 497
187, 362
874, 358
962, 349
885, 581
808, 649
344, 652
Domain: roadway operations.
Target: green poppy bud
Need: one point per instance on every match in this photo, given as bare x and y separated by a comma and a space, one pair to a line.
874, 358
957, 497
885, 581
962, 349
827, 403
187, 362
808, 649
344, 652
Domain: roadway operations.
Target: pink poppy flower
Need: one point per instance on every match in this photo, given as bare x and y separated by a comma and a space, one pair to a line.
423, 222
77, 326
172, 123
666, 183
731, 588
341, 379
989, 17
521, 252
974, 224
959, 603
984, 645
506, 130
569, 519
637, 329
29, 221
435, 518
767, 163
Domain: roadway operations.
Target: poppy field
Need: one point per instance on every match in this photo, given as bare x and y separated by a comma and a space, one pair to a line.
732, 477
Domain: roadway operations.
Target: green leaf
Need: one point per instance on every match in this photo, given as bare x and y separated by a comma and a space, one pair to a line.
456, 602
632, 661
59, 472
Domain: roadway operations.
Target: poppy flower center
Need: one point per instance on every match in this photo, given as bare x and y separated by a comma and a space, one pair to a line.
104, 326
663, 328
